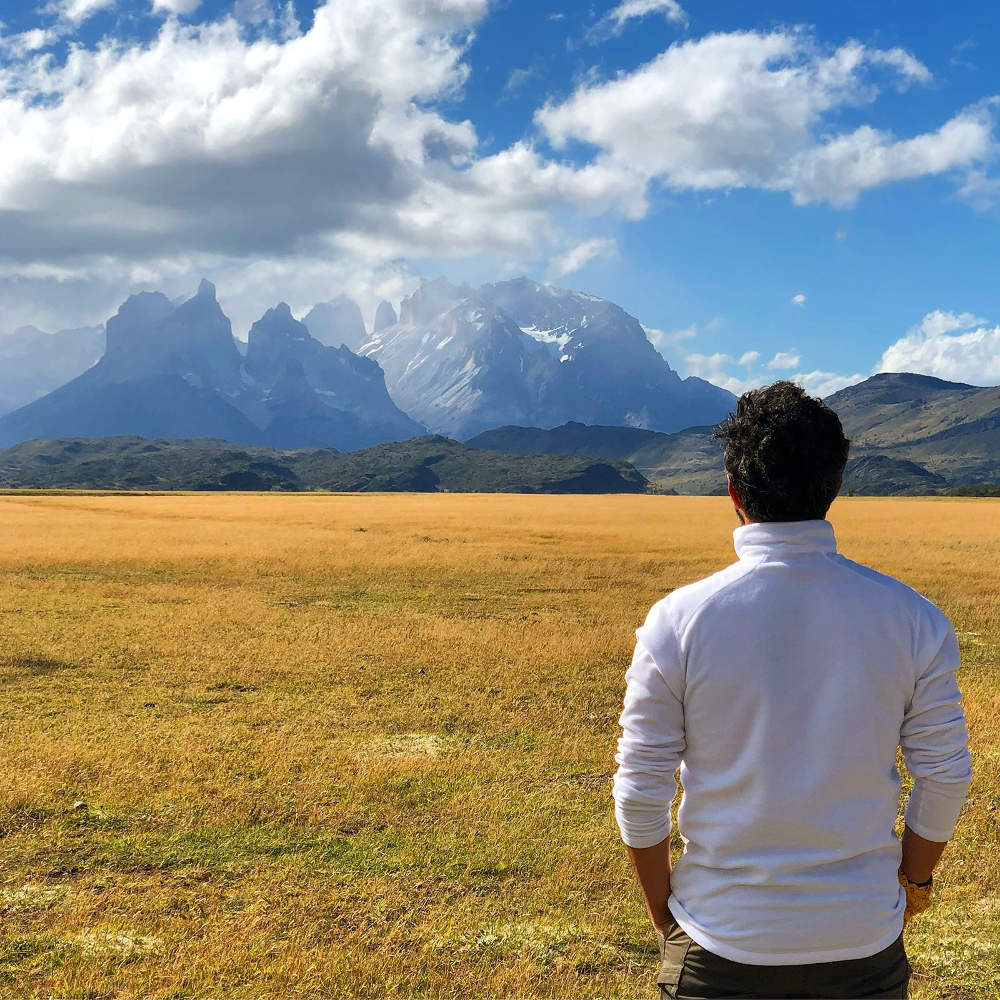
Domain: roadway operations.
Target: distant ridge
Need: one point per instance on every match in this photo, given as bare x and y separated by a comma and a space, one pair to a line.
688, 461
424, 464
909, 434
571, 438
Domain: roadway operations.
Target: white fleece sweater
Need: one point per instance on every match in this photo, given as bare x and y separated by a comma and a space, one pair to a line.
782, 686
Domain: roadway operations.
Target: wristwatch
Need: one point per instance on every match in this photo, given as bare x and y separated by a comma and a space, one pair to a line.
918, 895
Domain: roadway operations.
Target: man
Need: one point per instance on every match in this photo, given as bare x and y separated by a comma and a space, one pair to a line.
782, 686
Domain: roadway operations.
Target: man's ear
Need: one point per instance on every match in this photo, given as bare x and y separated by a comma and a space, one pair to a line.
734, 496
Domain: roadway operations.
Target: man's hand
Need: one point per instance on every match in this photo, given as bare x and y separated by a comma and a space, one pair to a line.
920, 856
666, 926
918, 896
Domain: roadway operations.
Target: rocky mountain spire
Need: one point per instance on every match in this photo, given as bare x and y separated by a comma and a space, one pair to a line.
385, 316
337, 323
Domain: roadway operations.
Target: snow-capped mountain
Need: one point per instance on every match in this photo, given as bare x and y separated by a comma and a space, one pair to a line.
174, 371
517, 352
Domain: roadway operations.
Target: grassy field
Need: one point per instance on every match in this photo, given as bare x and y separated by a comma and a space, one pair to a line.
362, 745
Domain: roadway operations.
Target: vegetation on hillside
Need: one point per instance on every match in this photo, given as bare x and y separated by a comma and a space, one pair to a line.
425, 464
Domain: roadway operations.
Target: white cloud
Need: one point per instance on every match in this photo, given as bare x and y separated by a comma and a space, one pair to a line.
724, 369
784, 360
957, 347
268, 15
518, 77
958, 53
980, 190
715, 368
839, 170
253, 11
940, 322
577, 257
75, 12
747, 109
822, 384
69, 16
664, 341
147, 154
908, 66
27, 42
141, 158
799, 299
54, 298
152, 150
629, 10
176, 6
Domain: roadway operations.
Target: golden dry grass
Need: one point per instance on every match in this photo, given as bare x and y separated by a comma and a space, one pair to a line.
362, 745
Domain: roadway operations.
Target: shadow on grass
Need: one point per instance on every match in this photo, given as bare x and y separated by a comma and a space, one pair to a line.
20, 667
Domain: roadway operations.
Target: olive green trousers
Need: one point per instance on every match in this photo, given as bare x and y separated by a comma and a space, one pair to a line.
689, 972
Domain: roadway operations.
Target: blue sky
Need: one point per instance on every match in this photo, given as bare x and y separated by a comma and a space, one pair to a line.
774, 189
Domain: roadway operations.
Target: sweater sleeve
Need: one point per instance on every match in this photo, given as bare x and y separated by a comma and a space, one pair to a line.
934, 739
652, 741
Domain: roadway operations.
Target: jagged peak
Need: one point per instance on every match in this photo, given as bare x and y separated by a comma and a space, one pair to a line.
203, 301
279, 322
149, 305
337, 321
385, 316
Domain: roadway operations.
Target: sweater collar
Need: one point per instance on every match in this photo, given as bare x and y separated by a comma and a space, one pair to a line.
784, 538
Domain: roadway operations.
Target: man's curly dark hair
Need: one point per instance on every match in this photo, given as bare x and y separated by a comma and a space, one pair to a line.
785, 453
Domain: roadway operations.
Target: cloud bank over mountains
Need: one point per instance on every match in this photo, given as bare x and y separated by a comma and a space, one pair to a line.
956, 347
270, 154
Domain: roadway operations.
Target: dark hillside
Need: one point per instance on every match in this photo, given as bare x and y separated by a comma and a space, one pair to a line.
425, 464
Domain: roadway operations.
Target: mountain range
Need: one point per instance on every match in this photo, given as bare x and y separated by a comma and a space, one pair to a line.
175, 371
454, 361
